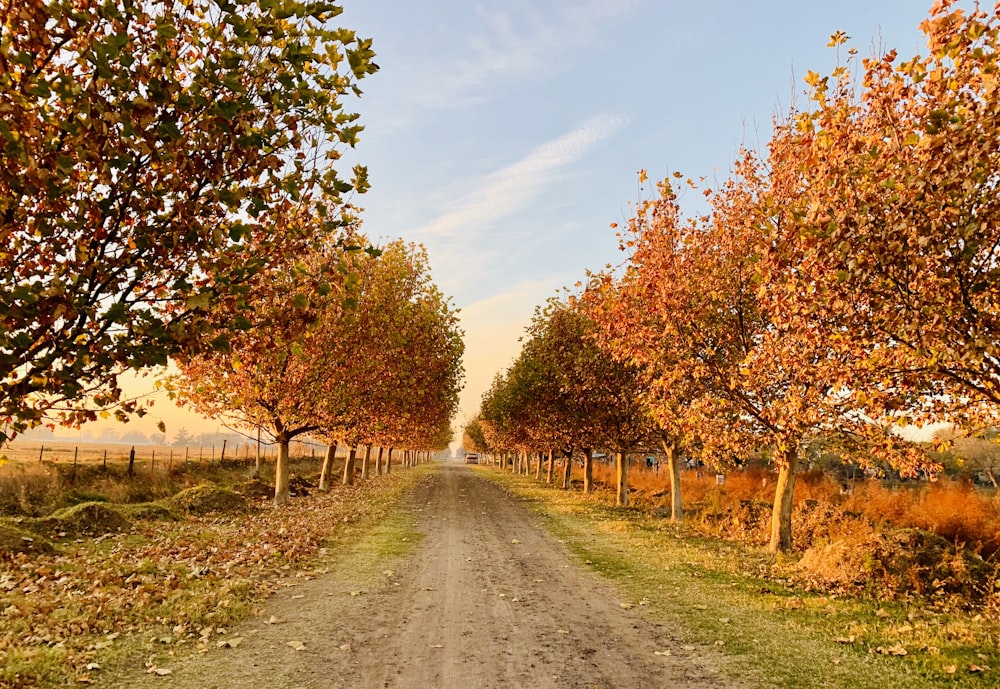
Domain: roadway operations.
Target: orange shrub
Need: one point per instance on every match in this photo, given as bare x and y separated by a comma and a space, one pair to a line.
955, 511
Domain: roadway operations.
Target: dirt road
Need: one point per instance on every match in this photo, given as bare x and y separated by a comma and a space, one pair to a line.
487, 600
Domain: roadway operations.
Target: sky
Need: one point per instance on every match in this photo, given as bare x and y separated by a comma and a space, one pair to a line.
506, 136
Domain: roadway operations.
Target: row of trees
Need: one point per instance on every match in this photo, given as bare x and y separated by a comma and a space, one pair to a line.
841, 285
169, 192
359, 348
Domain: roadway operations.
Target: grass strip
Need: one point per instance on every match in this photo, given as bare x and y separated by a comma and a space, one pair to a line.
736, 600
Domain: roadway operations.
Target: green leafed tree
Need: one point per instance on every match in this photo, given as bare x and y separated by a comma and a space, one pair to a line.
145, 149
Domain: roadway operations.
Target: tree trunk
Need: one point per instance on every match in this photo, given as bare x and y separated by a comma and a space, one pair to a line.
567, 470
538, 468
281, 495
588, 470
621, 489
324, 474
349, 467
256, 459
366, 463
388, 462
781, 514
378, 462
674, 466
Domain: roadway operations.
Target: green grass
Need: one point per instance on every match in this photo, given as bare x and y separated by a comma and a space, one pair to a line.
742, 602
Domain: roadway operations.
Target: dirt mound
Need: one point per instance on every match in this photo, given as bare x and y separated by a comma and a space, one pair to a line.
300, 486
14, 539
255, 489
148, 511
85, 519
209, 499
745, 520
897, 563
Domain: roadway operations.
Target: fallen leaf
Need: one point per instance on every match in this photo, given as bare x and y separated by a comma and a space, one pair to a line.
950, 669
845, 639
297, 645
514, 541
274, 620
437, 645
881, 613
978, 668
162, 671
687, 648
720, 642
564, 631
626, 606
230, 643
345, 647
663, 653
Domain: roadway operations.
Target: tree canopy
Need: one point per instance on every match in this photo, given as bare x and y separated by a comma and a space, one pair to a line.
147, 150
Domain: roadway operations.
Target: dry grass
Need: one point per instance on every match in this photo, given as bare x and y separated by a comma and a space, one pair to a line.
32, 489
953, 510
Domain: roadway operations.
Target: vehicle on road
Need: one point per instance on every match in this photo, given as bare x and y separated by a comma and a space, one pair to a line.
472, 458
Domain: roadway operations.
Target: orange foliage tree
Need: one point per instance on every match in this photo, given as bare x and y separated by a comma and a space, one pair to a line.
565, 392
887, 221
275, 374
396, 356
722, 366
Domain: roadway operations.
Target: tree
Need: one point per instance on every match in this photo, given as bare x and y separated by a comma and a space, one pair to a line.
395, 356
630, 331
271, 377
751, 383
146, 150
564, 392
473, 438
888, 206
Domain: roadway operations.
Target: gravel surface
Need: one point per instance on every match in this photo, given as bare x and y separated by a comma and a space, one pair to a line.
487, 600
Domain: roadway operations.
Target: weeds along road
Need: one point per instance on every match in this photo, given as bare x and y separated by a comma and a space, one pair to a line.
486, 600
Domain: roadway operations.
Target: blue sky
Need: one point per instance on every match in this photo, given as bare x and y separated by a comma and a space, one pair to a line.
505, 135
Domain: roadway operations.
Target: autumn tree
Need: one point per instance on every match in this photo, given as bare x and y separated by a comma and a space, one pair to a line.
888, 209
600, 398
146, 149
273, 377
752, 385
629, 330
563, 391
394, 356
473, 438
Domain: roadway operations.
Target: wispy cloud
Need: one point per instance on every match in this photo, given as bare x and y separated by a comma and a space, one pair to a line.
510, 189
511, 42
